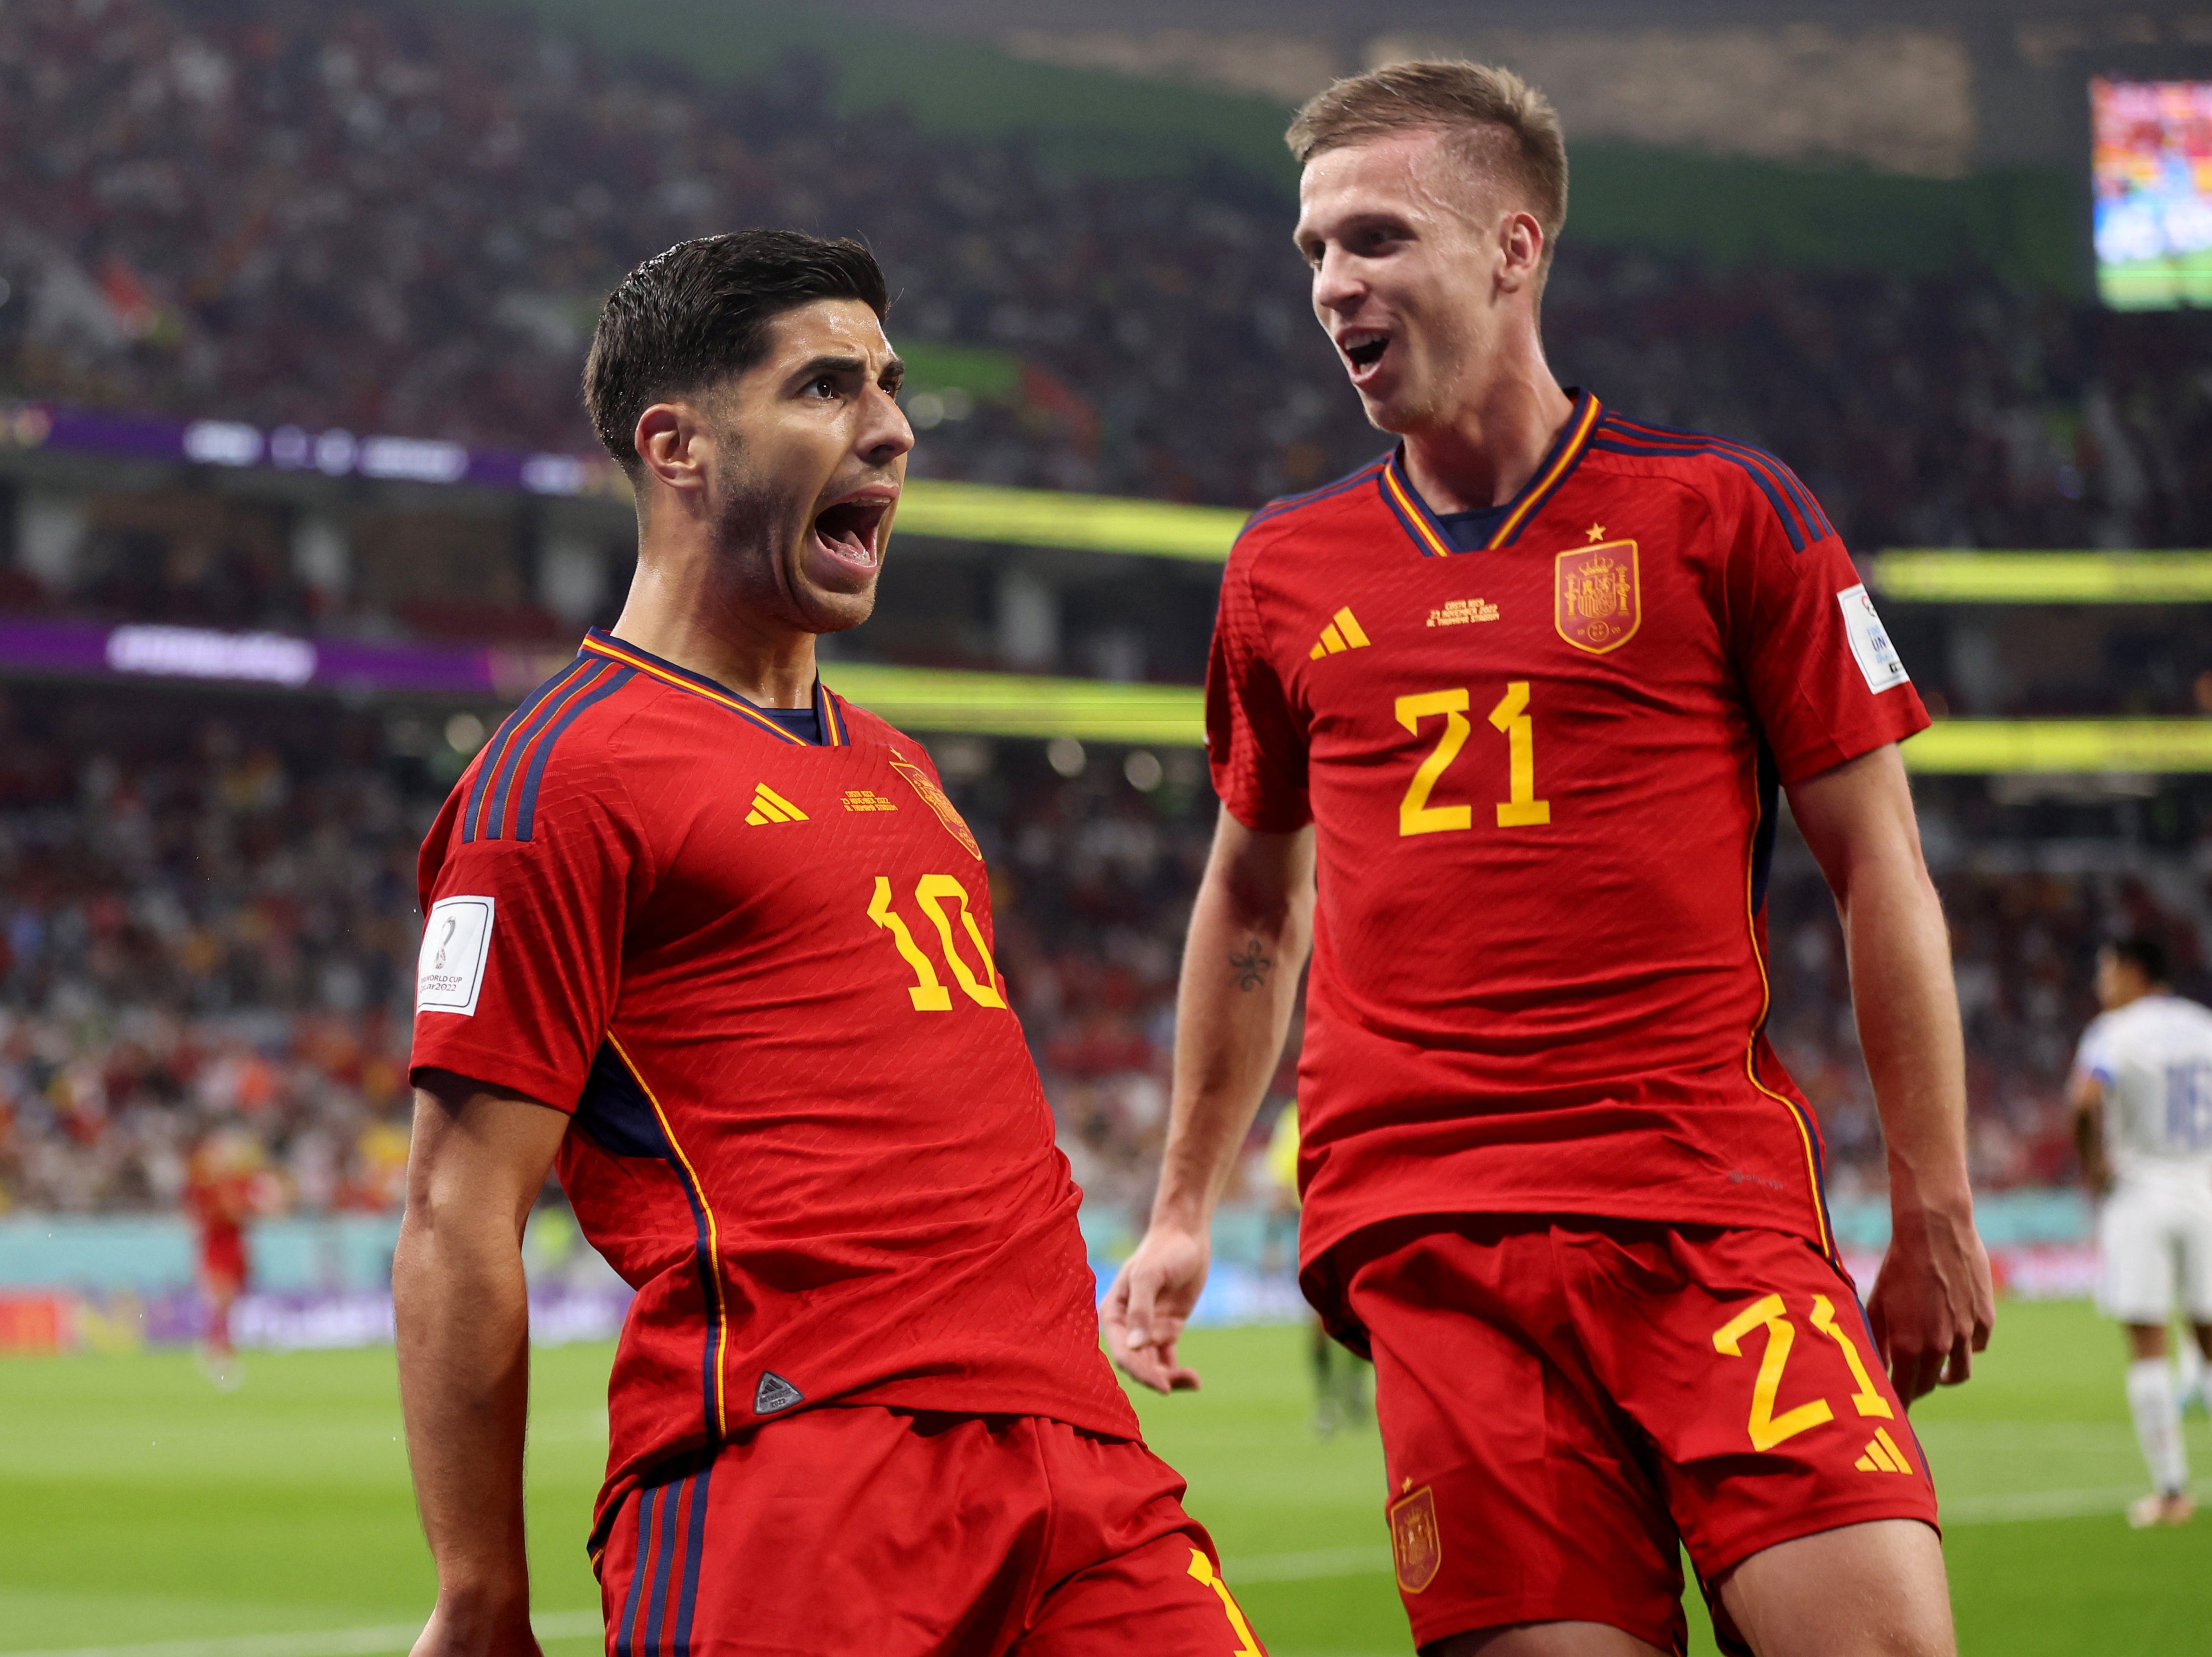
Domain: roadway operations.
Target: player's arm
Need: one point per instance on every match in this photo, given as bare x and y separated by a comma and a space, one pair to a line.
1250, 932
477, 1163
2086, 1094
1932, 1304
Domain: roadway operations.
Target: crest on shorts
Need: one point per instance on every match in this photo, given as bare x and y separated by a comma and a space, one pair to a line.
934, 797
1598, 605
1414, 1543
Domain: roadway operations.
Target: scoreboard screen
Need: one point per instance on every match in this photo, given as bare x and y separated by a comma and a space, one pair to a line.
2152, 163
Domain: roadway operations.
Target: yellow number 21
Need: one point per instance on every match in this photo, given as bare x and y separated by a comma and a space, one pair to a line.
1520, 809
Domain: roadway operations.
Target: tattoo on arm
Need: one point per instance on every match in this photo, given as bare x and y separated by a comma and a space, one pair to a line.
1251, 968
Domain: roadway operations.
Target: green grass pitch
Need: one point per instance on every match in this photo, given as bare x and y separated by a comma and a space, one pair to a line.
139, 1506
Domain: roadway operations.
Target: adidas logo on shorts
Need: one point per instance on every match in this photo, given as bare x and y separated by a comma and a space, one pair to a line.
775, 1393
1882, 1456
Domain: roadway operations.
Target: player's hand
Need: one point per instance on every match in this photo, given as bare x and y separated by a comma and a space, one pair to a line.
1933, 1304
1149, 1301
453, 1632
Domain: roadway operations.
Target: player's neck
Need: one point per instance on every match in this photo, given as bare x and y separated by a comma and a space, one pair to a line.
712, 633
1485, 448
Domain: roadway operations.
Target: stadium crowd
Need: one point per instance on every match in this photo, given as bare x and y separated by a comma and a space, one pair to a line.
395, 219
400, 220
205, 932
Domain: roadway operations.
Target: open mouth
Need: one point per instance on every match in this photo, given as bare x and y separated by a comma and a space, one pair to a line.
1364, 350
852, 530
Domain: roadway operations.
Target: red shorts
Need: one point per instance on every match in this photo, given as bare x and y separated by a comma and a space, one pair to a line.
1561, 1399
866, 1529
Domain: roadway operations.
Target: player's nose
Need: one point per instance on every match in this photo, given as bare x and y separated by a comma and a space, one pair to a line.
884, 433
1337, 285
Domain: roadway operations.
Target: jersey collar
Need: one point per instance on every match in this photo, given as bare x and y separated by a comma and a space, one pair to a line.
1428, 531
599, 642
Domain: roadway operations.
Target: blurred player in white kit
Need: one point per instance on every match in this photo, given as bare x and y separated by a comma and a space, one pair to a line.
2142, 1093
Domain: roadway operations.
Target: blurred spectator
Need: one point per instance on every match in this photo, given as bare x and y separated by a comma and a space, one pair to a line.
398, 219
212, 936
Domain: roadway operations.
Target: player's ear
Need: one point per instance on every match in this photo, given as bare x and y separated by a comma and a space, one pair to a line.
1521, 249
671, 439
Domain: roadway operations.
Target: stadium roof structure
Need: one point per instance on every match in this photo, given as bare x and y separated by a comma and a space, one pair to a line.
1947, 577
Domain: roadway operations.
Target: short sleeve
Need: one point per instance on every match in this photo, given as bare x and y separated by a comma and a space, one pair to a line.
1823, 677
522, 936
1254, 740
2094, 1056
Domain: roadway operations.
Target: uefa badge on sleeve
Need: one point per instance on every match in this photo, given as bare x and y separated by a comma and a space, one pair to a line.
1598, 603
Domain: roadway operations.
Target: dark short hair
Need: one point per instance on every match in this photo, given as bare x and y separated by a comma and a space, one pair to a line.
700, 312
2146, 954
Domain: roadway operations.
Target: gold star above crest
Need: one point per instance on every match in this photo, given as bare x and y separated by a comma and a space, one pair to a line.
1596, 532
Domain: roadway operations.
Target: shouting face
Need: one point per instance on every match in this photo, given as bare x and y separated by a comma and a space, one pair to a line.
811, 448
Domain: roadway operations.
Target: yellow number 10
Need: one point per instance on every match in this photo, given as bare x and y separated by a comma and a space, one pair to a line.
1520, 809
927, 991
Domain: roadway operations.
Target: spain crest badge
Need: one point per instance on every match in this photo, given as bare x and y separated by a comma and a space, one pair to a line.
1415, 1545
934, 796
1598, 604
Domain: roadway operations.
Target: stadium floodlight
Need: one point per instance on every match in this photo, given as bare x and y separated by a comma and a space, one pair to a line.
1934, 577
1085, 523
1010, 705
2062, 747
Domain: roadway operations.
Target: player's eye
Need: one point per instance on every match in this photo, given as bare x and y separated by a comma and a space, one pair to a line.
825, 387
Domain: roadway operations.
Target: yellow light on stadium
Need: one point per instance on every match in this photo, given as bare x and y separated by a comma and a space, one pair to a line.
2062, 746
1013, 705
1085, 523
2044, 578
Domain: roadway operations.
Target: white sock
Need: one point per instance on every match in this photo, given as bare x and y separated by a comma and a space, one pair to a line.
2158, 1423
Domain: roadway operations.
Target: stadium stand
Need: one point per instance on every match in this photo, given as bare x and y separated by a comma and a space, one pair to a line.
400, 220
397, 219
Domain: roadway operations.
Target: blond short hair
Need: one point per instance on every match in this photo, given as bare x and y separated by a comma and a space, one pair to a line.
1494, 121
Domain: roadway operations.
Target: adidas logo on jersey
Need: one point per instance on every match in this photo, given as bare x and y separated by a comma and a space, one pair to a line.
775, 1393
769, 806
1882, 1456
1342, 633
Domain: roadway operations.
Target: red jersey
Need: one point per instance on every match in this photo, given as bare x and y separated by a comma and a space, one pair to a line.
807, 1129
1541, 745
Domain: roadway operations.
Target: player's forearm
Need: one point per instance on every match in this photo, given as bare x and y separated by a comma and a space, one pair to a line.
1908, 1019
464, 1325
1239, 988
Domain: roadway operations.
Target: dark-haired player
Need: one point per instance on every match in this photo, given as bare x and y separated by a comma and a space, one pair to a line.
1525, 690
2141, 1091
715, 942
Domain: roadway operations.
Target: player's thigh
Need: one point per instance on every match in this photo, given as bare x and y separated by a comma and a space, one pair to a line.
1869, 1590
1547, 1640
1164, 1598
1744, 1357
1517, 1493
2136, 1257
2193, 1232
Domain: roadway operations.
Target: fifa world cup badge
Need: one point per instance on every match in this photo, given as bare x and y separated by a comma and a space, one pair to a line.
1414, 1543
1599, 606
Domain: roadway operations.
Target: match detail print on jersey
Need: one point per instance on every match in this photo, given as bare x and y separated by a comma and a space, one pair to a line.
1869, 641
456, 942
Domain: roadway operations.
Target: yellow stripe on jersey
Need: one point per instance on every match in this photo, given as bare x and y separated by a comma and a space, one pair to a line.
1532, 497
714, 1234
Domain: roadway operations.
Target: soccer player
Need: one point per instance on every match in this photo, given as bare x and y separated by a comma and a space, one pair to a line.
220, 1176
1524, 690
714, 943
2141, 1092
